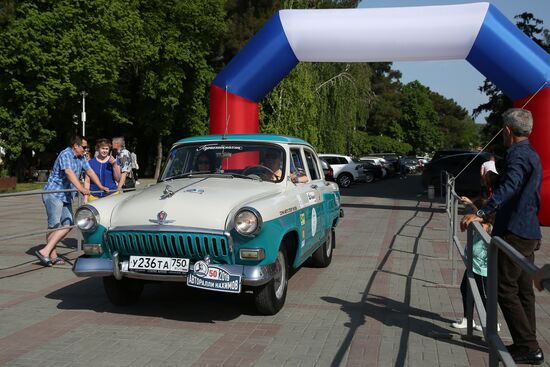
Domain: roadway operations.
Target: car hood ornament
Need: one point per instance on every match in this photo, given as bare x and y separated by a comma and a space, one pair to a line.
161, 218
168, 192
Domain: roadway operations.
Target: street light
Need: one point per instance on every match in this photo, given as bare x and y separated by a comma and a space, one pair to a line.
83, 94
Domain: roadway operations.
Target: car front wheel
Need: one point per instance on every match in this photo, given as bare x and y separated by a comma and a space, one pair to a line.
122, 292
322, 257
270, 297
345, 180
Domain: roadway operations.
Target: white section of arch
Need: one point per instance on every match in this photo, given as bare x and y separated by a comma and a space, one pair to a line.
384, 34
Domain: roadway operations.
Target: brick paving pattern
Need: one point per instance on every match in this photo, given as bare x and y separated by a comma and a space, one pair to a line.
382, 302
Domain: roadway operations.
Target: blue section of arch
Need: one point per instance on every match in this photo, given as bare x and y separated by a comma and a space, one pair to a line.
265, 60
508, 58
501, 52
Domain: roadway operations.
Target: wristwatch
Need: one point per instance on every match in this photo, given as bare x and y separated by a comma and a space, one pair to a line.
480, 213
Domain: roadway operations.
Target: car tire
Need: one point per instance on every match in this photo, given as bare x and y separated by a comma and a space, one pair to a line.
270, 298
122, 292
369, 177
345, 180
322, 257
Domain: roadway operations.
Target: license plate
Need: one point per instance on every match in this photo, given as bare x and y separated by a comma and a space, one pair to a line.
159, 264
214, 278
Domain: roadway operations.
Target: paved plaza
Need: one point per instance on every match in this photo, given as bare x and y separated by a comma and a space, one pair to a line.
384, 300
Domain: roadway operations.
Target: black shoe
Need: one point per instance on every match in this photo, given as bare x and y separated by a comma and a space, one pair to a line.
512, 348
534, 357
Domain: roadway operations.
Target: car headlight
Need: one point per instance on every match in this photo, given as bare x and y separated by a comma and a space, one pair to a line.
87, 218
248, 221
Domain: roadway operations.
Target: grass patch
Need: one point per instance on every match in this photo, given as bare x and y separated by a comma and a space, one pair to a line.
24, 186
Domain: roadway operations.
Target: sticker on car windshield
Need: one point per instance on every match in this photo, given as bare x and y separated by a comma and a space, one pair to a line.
213, 278
218, 147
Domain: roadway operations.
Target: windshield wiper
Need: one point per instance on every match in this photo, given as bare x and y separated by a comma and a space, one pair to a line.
257, 178
208, 173
188, 174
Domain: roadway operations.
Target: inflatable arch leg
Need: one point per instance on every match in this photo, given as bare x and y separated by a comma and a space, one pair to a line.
540, 108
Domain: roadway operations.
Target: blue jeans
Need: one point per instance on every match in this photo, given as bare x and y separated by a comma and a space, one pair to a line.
59, 213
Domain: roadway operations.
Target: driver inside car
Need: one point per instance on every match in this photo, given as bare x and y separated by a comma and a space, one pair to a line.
272, 160
203, 163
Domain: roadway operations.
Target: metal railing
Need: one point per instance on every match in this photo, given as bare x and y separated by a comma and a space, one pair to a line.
488, 317
79, 202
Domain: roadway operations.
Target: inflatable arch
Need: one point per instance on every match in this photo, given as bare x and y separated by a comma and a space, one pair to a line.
477, 32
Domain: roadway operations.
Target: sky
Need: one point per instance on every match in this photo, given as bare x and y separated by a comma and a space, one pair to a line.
457, 79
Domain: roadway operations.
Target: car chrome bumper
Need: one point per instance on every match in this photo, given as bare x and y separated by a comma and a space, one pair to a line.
252, 275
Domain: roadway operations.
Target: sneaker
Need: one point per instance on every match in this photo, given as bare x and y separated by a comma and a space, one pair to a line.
533, 357
462, 323
479, 328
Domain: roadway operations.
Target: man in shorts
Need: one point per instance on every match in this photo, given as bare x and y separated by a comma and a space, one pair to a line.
64, 176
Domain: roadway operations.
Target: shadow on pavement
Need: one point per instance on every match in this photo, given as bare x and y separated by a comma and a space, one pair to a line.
172, 301
392, 312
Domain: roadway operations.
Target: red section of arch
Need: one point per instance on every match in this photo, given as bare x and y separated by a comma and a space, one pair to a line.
539, 138
243, 114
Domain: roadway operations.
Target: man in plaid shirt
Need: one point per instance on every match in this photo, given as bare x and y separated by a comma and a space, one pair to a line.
64, 175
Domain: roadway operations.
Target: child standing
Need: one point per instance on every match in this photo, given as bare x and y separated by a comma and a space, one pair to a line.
479, 268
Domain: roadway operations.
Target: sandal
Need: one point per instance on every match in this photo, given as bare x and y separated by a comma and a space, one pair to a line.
44, 260
58, 261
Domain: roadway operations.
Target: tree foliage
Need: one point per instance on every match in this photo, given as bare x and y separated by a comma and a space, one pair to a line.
144, 64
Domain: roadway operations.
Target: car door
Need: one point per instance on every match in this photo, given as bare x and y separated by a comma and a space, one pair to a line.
315, 195
307, 199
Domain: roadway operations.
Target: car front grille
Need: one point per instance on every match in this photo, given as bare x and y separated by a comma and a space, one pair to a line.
194, 246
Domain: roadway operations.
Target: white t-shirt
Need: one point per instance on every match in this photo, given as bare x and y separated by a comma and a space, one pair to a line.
488, 166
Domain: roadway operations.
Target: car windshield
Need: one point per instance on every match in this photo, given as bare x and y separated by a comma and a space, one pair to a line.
238, 159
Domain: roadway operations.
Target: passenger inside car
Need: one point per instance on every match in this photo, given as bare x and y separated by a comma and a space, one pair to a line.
297, 171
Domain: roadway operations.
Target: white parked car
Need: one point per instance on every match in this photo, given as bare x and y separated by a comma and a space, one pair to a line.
231, 212
347, 170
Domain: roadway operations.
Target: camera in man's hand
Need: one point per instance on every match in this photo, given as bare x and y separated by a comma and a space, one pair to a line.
114, 152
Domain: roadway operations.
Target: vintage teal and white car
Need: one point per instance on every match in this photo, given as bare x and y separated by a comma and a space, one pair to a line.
229, 213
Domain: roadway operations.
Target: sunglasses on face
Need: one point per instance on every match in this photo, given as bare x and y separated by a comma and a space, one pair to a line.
204, 162
85, 147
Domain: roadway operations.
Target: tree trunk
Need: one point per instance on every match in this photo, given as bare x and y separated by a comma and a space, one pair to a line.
159, 158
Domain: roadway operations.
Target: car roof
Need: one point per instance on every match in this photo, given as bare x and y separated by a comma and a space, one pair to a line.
245, 137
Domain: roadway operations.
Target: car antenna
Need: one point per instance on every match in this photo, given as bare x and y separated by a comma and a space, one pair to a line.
227, 116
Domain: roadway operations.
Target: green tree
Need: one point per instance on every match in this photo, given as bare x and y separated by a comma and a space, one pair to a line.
457, 127
144, 64
419, 119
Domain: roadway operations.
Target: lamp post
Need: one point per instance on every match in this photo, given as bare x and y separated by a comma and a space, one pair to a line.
83, 117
